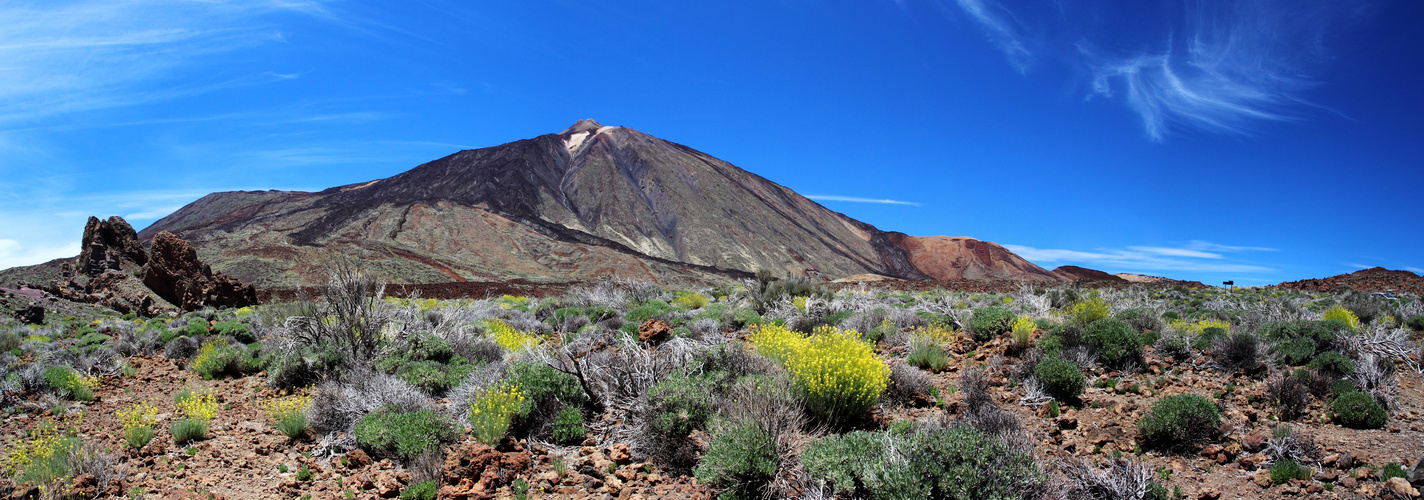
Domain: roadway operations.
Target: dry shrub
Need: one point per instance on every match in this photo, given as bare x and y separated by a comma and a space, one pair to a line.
1289, 395
907, 384
1121, 479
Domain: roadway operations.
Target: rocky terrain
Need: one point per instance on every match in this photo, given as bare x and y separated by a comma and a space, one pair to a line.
957, 361
1375, 279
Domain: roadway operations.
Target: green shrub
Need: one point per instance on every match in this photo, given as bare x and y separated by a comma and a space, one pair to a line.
1114, 341
70, 383
1294, 352
390, 431
1392, 470
546, 391
1334, 363
424, 490
955, 463
189, 429
1285, 470
1358, 410
1415, 323
235, 329
433, 377
651, 309
1063, 380
742, 318
1140, 319
1237, 351
44, 455
196, 327
929, 356
217, 358
138, 436
990, 322
1179, 420
743, 460
1342, 386
1050, 345
568, 426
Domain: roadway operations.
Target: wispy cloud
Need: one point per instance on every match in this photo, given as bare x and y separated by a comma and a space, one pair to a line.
1186, 65
67, 57
999, 26
1142, 259
853, 199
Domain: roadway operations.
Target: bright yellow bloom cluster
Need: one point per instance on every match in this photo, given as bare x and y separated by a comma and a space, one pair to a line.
1199, 326
800, 303
938, 333
46, 442
1024, 326
278, 409
691, 301
509, 338
834, 369
1344, 315
1090, 310
138, 415
492, 410
201, 406
205, 354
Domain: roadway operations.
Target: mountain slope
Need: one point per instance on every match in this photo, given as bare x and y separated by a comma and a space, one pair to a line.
588, 201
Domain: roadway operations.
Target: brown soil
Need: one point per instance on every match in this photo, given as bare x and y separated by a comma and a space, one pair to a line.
243, 456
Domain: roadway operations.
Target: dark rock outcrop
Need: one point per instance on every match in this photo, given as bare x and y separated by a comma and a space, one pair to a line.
33, 315
174, 272
111, 244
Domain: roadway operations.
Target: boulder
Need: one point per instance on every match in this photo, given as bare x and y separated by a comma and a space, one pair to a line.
109, 244
33, 315
174, 272
654, 330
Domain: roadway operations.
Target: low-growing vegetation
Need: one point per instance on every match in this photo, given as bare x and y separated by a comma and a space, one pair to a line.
777, 387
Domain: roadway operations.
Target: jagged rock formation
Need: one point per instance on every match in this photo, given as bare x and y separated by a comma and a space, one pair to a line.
106, 270
174, 273
110, 244
588, 201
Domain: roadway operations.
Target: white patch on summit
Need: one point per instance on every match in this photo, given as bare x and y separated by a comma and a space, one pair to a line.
574, 141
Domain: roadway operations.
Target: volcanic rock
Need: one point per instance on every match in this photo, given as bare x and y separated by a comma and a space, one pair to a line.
110, 244
1375, 279
33, 315
654, 330
174, 273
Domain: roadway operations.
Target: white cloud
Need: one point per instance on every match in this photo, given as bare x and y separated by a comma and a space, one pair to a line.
13, 253
65, 57
1217, 67
1138, 259
853, 199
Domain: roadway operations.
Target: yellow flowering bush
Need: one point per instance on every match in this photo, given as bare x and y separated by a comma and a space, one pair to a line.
200, 406
1022, 329
138, 422
691, 301
290, 413
43, 457
1090, 310
492, 410
509, 338
1197, 327
1343, 315
836, 372
939, 333
512, 302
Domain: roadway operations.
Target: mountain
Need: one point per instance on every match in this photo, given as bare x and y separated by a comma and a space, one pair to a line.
1075, 273
588, 201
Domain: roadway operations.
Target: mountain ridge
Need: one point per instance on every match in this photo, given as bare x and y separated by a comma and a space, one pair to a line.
588, 201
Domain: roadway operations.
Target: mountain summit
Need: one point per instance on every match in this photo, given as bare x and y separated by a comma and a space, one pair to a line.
591, 200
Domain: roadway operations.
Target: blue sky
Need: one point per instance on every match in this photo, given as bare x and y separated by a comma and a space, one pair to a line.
1258, 141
